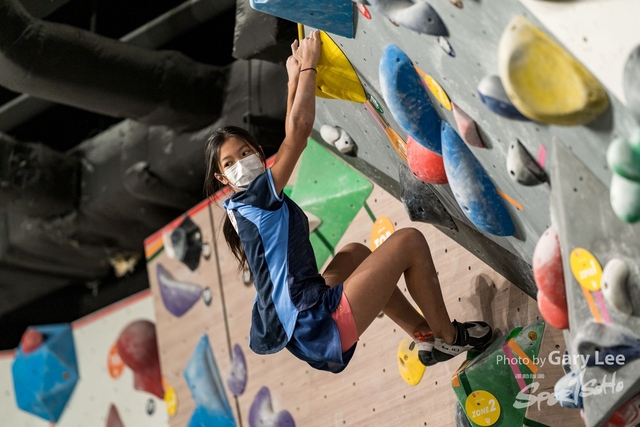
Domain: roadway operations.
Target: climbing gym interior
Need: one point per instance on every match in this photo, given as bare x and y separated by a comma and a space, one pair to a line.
506, 132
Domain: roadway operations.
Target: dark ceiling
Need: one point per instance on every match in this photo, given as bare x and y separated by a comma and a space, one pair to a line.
50, 299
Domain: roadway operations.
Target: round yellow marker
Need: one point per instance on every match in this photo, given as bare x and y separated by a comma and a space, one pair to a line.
410, 367
170, 398
115, 365
382, 229
482, 408
586, 269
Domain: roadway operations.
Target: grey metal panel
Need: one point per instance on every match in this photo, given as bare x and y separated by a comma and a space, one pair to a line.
475, 32
584, 219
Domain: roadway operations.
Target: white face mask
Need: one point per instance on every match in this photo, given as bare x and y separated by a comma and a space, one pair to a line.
244, 171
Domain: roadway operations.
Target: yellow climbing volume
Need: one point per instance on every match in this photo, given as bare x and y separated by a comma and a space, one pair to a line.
336, 77
544, 82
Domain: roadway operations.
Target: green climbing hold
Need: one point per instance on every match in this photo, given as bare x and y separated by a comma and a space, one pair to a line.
623, 158
332, 191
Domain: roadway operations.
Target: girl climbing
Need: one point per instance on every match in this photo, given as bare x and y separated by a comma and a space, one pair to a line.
319, 318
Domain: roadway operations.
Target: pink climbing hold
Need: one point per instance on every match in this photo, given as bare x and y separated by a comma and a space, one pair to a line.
113, 419
31, 340
467, 127
547, 268
556, 316
626, 415
424, 163
138, 349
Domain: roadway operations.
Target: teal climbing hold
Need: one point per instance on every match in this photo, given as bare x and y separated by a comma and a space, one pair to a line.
408, 100
332, 191
472, 187
335, 16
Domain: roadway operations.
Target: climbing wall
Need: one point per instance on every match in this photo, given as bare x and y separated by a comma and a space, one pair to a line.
518, 98
371, 391
104, 382
474, 34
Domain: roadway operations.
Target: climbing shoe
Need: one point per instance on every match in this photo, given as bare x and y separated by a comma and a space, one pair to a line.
424, 345
468, 335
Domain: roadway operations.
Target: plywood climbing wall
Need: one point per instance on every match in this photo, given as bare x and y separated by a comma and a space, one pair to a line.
370, 391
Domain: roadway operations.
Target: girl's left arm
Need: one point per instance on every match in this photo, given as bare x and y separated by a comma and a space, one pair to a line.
302, 112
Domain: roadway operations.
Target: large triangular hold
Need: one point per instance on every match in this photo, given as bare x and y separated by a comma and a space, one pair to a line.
336, 78
332, 191
544, 81
473, 189
582, 214
335, 16
407, 98
421, 202
416, 15
203, 378
632, 82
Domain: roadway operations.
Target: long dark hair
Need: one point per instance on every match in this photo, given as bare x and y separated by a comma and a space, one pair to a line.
212, 185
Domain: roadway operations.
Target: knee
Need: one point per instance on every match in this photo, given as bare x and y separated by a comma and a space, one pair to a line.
413, 238
358, 251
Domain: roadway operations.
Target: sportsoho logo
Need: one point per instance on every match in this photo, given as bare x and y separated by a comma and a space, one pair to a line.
575, 388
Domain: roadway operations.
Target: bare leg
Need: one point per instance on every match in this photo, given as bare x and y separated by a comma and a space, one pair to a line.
374, 282
397, 307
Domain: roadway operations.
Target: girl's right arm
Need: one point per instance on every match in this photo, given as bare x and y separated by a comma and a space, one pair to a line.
299, 121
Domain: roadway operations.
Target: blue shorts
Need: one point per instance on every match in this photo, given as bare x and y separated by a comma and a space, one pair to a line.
316, 339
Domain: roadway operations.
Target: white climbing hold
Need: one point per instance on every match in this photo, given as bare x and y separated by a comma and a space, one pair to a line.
614, 288
345, 144
330, 134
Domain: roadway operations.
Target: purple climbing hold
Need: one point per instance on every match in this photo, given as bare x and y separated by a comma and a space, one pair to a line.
237, 379
261, 413
178, 297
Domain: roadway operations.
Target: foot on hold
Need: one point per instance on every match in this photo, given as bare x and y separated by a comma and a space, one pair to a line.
424, 345
468, 335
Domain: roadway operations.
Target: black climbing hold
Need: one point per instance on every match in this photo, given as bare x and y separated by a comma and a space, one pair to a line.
421, 202
522, 167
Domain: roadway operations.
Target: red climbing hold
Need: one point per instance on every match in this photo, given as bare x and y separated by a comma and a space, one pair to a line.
424, 163
363, 10
138, 349
547, 267
31, 340
556, 316
113, 419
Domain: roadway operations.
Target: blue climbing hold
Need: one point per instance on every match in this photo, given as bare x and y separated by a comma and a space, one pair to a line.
203, 378
568, 390
45, 378
472, 187
495, 98
334, 16
407, 98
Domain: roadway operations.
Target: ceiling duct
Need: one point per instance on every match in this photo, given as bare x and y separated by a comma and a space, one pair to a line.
95, 73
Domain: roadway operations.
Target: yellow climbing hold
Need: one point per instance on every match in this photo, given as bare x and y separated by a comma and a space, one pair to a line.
410, 367
435, 88
586, 269
544, 82
336, 77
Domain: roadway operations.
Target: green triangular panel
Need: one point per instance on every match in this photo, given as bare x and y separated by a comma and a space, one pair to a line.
491, 372
331, 190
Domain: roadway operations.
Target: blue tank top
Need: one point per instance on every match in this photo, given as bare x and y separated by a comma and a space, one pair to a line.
275, 234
